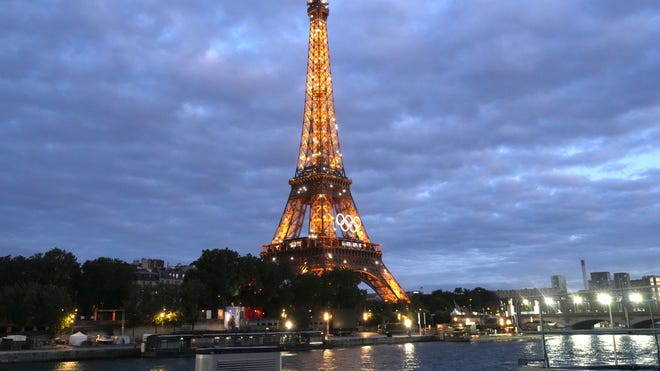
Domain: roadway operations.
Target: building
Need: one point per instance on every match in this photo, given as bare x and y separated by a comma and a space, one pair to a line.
622, 281
559, 283
154, 271
600, 281
150, 264
174, 275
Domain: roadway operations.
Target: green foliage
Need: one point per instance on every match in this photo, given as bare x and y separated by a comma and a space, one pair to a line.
219, 270
192, 291
105, 283
312, 294
145, 303
39, 291
35, 304
226, 278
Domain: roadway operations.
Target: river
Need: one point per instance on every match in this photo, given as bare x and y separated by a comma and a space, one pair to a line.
495, 356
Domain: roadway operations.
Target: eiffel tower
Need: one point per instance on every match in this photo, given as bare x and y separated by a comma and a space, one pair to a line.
320, 189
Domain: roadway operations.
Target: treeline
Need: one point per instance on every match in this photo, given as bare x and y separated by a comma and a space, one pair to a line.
44, 290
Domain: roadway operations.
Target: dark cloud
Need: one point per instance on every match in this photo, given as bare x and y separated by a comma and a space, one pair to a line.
490, 143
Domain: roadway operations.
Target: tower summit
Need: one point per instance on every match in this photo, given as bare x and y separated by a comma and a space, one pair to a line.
320, 190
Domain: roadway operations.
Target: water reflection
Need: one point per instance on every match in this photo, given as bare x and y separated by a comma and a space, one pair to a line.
410, 360
366, 356
328, 362
566, 350
67, 366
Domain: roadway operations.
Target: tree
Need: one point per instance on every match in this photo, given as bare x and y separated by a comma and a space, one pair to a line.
264, 284
192, 291
306, 290
105, 283
313, 294
341, 289
34, 304
218, 270
55, 267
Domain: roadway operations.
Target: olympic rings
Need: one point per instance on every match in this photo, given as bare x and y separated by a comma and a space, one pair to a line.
348, 222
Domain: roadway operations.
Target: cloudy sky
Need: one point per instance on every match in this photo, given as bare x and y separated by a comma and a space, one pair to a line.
490, 143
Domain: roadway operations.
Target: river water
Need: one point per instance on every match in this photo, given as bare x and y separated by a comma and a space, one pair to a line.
496, 355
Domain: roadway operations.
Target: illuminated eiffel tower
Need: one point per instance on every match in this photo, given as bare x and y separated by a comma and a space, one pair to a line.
336, 236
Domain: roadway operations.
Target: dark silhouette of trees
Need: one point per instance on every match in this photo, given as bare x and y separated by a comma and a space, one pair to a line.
104, 283
40, 291
219, 271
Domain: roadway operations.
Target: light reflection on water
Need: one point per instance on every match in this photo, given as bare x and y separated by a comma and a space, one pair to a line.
68, 366
410, 360
567, 350
366, 357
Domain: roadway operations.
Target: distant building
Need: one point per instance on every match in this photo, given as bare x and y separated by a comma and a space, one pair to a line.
600, 281
559, 283
622, 281
654, 282
150, 264
153, 271
520, 294
653, 286
174, 275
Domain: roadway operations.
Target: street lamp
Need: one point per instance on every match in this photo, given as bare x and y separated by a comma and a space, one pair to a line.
326, 318
605, 298
289, 325
408, 323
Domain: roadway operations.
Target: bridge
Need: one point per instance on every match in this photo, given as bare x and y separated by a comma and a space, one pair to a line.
587, 320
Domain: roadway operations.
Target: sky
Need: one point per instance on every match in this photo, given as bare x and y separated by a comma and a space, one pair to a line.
490, 143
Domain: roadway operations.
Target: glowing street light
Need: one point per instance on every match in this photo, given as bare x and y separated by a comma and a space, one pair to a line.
289, 325
408, 323
606, 299
577, 300
636, 297
326, 318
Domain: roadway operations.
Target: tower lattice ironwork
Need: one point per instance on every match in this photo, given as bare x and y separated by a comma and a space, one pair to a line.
320, 190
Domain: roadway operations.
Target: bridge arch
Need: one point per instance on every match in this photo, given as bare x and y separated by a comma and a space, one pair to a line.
643, 323
587, 324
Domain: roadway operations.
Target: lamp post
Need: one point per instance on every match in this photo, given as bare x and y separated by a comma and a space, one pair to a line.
408, 323
326, 318
546, 361
636, 297
605, 298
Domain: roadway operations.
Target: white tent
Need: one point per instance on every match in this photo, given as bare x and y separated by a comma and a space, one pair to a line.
77, 339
